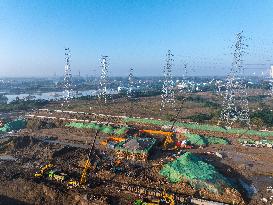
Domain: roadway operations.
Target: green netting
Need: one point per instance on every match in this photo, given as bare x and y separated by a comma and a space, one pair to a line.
75, 124
217, 140
121, 131
197, 172
97, 127
107, 129
200, 140
249, 141
204, 127
13, 125
266, 141
195, 139
103, 128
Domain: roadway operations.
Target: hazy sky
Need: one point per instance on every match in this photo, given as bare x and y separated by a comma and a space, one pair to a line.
134, 33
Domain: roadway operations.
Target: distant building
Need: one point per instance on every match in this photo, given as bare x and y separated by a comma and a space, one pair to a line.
122, 89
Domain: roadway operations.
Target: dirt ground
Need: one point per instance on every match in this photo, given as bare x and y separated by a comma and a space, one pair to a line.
143, 107
28, 150
250, 168
207, 103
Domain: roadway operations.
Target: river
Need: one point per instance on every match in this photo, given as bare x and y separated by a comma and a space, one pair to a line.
51, 95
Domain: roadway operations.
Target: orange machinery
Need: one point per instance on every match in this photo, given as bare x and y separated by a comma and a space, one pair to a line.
169, 142
113, 139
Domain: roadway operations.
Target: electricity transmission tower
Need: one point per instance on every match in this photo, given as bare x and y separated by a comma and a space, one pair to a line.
168, 84
131, 84
103, 79
68, 89
235, 103
185, 73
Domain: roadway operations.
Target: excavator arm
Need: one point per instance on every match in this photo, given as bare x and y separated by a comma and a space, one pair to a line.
87, 164
86, 170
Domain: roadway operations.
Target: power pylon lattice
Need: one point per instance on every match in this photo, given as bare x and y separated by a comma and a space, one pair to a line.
131, 84
168, 84
68, 88
103, 79
235, 103
185, 73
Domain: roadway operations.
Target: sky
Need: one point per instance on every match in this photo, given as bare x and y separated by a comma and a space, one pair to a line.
133, 33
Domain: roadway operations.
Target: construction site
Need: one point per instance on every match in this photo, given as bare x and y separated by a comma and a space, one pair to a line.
179, 147
155, 122
80, 157
176, 147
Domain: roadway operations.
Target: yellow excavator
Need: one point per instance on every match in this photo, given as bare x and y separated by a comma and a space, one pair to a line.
165, 199
83, 180
43, 169
86, 169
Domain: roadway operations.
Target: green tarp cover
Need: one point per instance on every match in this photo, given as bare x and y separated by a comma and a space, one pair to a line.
103, 128
13, 125
189, 167
200, 140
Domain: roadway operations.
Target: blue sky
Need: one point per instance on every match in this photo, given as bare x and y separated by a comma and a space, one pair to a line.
134, 33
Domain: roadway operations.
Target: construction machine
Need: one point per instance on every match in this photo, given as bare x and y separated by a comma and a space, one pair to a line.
57, 175
184, 144
43, 168
86, 169
113, 139
169, 141
166, 199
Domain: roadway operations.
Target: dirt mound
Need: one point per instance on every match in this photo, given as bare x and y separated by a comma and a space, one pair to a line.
37, 124
22, 142
7, 200
63, 151
28, 192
